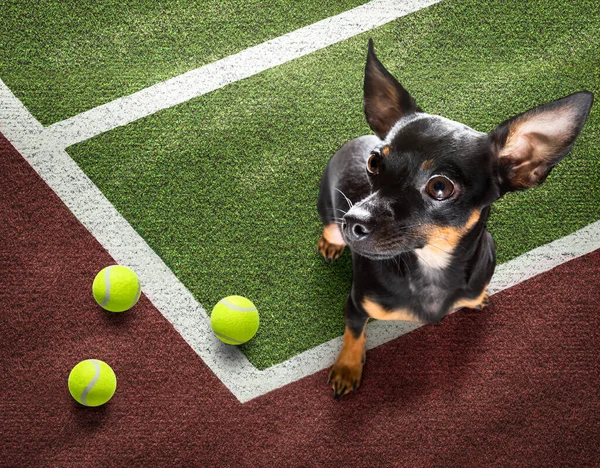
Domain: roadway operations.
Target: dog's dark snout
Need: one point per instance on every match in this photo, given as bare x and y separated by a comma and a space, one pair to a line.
357, 229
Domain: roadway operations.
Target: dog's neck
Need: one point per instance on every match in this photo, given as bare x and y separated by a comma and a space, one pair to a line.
434, 278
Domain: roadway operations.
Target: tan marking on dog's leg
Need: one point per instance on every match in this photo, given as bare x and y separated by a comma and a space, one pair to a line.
477, 303
331, 244
346, 372
375, 311
333, 235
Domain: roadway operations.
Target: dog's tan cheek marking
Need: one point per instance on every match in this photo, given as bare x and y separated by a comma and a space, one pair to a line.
441, 242
451, 235
472, 220
377, 312
386, 150
333, 235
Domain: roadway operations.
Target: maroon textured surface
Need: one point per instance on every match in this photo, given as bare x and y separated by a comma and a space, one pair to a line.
516, 384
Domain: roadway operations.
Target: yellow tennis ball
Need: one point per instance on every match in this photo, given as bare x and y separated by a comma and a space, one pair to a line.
116, 288
234, 320
92, 382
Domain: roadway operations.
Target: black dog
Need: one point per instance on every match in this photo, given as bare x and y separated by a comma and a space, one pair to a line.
412, 204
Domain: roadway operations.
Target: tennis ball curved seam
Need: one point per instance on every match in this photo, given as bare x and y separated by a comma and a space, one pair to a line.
92, 382
235, 320
116, 288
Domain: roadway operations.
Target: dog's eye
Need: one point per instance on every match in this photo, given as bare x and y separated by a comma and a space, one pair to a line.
440, 187
373, 163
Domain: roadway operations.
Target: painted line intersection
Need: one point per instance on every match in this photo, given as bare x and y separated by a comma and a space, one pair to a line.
44, 149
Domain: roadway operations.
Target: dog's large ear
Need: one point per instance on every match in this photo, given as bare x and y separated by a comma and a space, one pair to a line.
385, 100
529, 145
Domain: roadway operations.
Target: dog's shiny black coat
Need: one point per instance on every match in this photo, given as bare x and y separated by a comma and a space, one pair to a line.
398, 279
381, 191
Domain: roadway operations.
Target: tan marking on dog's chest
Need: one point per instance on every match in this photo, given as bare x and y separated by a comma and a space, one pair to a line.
377, 312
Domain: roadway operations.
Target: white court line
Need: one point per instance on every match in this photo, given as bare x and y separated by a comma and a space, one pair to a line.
236, 67
44, 149
178, 305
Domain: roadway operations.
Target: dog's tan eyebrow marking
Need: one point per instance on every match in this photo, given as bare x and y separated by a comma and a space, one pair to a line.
428, 164
375, 311
386, 150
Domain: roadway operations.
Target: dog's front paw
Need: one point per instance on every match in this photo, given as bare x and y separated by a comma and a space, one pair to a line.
345, 377
485, 301
328, 250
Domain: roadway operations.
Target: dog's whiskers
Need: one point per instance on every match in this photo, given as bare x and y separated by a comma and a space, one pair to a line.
405, 264
395, 260
350, 204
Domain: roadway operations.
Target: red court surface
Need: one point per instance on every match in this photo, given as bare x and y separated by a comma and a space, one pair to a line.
514, 385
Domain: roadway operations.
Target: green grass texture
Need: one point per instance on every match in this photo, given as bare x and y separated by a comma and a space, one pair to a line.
224, 187
61, 58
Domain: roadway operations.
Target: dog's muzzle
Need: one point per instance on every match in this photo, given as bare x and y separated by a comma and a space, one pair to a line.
357, 228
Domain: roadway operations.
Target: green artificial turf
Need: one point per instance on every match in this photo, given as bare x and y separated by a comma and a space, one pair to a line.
224, 187
65, 57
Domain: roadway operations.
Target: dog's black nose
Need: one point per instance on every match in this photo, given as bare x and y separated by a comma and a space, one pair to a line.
356, 228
